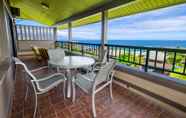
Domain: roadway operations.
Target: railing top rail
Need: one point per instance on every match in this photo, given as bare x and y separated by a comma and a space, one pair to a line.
179, 50
80, 43
35, 26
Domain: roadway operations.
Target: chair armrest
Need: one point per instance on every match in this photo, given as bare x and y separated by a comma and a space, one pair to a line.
112, 75
97, 69
85, 77
49, 77
38, 69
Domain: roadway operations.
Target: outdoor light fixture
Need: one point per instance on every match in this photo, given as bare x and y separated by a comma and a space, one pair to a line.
44, 5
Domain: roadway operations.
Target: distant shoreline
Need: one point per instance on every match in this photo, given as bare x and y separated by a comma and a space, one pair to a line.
146, 43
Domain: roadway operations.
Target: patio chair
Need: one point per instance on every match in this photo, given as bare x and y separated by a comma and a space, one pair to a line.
37, 54
56, 55
102, 61
98, 63
41, 85
96, 82
41, 54
44, 53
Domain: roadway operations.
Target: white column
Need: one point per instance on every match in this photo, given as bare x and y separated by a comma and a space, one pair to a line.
69, 31
104, 28
55, 33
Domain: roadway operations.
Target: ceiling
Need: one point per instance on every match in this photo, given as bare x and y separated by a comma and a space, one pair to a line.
63, 11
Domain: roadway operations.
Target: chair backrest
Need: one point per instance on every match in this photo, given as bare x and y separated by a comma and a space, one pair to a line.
44, 53
35, 49
104, 72
56, 54
104, 60
32, 77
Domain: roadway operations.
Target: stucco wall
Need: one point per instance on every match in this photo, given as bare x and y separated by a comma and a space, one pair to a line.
26, 45
168, 93
6, 92
6, 80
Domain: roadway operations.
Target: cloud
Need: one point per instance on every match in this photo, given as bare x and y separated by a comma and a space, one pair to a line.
85, 32
160, 25
168, 24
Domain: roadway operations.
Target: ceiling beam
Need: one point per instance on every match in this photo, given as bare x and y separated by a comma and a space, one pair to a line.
106, 6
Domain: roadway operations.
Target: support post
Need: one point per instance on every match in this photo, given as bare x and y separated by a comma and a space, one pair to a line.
55, 33
104, 28
14, 36
55, 36
69, 35
147, 61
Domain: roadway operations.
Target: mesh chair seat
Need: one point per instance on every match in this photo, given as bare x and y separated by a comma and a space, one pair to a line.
84, 82
92, 83
50, 82
44, 53
42, 85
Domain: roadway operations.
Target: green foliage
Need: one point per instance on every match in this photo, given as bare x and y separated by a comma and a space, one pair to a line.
179, 58
129, 60
126, 58
178, 76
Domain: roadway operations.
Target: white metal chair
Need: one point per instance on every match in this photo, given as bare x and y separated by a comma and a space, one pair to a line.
103, 61
98, 63
89, 84
56, 55
42, 85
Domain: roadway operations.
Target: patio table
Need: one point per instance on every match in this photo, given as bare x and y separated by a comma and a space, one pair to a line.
69, 63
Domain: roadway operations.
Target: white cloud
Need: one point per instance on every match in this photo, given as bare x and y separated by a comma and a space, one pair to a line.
82, 33
171, 28
169, 23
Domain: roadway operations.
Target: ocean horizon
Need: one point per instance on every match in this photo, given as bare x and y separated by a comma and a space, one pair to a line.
146, 43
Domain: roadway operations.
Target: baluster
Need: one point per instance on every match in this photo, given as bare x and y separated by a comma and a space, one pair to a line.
108, 53
134, 58
120, 54
156, 56
82, 50
124, 54
147, 60
115, 52
25, 34
29, 33
140, 56
184, 69
174, 62
129, 55
21, 32
164, 60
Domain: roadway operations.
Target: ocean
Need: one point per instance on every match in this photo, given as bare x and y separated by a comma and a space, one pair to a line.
146, 43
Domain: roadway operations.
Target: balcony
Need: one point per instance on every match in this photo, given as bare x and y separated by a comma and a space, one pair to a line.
149, 82
140, 86
126, 103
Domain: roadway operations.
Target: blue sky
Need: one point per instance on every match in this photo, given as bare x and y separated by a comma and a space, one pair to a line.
164, 24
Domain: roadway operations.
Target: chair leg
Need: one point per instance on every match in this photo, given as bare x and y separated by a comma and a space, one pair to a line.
73, 90
35, 110
93, 105
110, 88
64, 89
57, 69
26, 95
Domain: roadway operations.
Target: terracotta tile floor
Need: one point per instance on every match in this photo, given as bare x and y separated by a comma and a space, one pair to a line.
126, 104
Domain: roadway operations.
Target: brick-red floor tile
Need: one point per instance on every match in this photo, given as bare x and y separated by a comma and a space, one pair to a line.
125, 104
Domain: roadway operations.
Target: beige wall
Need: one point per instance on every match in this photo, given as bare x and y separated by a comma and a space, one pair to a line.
26, 45
171, 94
4, 43
6, 70
6, 93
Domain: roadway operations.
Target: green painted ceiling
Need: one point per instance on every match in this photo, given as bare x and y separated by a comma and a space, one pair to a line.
63, 9
58, 9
